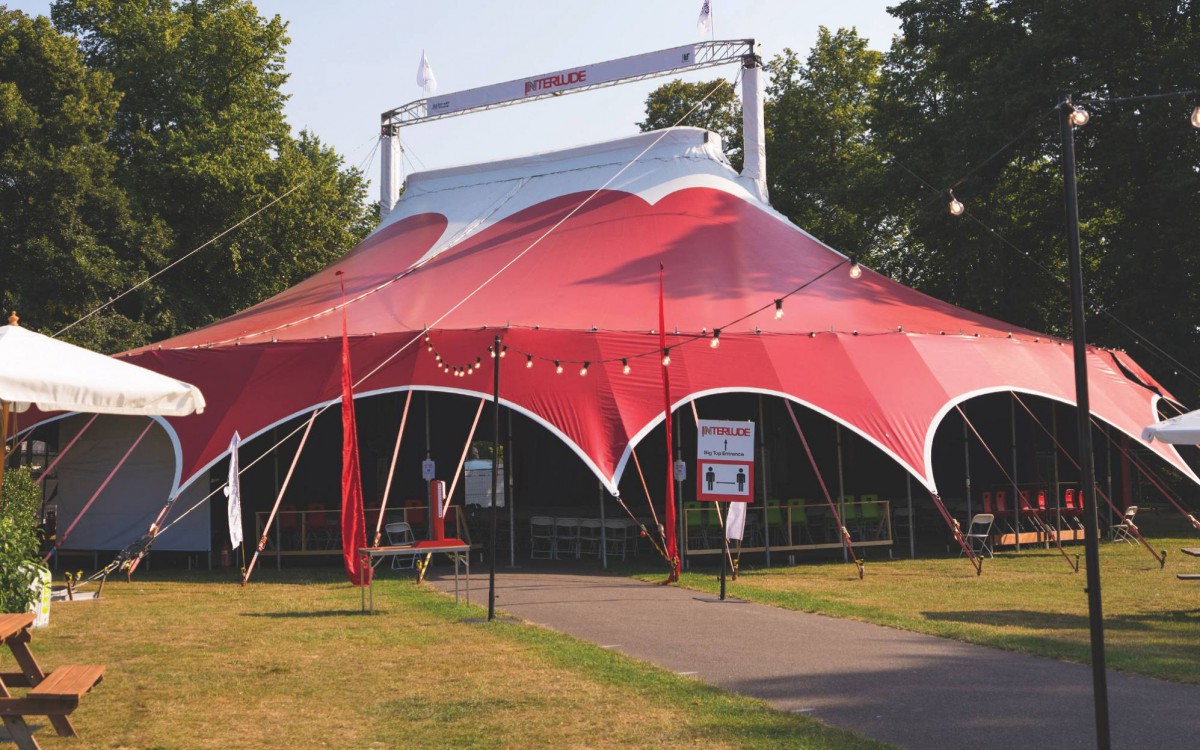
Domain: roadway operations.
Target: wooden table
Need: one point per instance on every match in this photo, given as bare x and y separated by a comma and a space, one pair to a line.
457, 549
1194, 552
53, 696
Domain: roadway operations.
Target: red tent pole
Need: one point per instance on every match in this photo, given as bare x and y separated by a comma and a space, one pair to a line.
262, 542
669, 514
387, 488
63, 452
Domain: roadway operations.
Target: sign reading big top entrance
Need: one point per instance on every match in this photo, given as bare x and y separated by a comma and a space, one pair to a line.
725, 461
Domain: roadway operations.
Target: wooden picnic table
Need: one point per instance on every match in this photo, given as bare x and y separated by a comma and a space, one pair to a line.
1194, 552
53, 695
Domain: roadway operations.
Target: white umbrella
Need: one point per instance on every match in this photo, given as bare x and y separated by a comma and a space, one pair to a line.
56, 376
1181, 430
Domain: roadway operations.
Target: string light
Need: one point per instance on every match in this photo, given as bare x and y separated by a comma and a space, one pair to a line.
503, 351
1079, 117
855, 269
478, 362
666, 360
492, 352
956, 206
583, 370
528, 361
1195, 119
557, 367
625, 368
438, 357
716, 339
778, 308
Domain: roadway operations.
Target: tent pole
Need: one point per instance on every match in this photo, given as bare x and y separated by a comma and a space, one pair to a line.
495, 478
508, 493
837, 431
387, 487
762, 452
603, 533
428, 456
680, 532
3, 441
1054, 431
967, 467
262, 542
912, 526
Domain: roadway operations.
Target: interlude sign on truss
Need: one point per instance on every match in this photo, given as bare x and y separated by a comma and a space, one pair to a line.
725, 461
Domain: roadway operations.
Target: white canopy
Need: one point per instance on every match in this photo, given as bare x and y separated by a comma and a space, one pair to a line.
56, 376
1181, 430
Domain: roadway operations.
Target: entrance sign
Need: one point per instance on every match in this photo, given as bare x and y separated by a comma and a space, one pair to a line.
724, 461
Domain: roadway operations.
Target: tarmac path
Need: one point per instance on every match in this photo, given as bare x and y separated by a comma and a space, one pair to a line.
912, 690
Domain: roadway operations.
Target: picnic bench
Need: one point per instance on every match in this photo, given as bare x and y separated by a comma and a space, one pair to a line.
1194, 552
53, 695
456, 549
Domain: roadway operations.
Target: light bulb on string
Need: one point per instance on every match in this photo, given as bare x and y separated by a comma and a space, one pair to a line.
503, 351
583, 370
528, 361
666, 360
478, 362
1195, 118
778, 308
716, 339
438, 357
557, 367
1079, 117
855, 269
492, 352
625, 368
956, 206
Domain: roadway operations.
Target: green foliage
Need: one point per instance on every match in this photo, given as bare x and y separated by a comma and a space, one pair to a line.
720, 112
19, 539
138, 131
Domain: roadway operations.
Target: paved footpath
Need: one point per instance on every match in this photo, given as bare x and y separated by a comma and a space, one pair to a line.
912, 690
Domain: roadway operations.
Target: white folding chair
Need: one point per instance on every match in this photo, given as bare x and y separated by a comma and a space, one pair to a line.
566, 537
616, 537
979, 533
401, 534
1123, 531
541, 538
589, 536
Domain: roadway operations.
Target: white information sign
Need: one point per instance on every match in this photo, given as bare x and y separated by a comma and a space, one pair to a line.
725, 461
428, 469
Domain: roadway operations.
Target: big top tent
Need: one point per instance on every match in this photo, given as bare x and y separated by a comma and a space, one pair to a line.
559, 255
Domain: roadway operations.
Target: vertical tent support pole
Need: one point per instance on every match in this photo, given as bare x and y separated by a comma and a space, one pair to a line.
508, 493
762, 452
428, 456
494, 516
967, 468
837, 431
603, 531
1108, 461
1083, 412
912, 526
679, 520
3, 440
1054, 432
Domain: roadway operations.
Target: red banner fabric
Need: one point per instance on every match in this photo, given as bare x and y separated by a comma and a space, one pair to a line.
669, 512
354, 527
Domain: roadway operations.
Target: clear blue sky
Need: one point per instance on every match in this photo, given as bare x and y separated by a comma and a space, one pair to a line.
350, 61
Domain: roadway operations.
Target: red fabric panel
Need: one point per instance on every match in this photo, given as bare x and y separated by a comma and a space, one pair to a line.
354, 527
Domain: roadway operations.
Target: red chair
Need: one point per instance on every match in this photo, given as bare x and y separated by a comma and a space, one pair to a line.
289, 527
987, 503
318, 530
1041, 509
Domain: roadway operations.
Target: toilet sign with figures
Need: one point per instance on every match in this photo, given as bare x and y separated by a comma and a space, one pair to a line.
725, 461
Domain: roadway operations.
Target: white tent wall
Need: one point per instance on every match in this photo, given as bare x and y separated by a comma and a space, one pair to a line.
135, 496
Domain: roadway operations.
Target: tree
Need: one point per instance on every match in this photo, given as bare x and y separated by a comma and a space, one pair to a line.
69, 238
717, 108
201, 142
966, 102
823, 165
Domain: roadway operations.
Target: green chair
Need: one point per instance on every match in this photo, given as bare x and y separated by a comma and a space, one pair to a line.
871, 515
798, 515
697, 522
775, 524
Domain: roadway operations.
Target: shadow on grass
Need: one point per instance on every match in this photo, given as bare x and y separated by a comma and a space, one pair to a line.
306, 615
1059, 621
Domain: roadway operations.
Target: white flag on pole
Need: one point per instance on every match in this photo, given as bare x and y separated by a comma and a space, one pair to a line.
425, 78
704, 23
233, 490
735, 522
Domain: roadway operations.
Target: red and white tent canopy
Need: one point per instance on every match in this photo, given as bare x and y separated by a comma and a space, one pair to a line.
559, 254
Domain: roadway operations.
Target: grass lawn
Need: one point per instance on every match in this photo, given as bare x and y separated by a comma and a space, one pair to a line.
1029, 601
194, 661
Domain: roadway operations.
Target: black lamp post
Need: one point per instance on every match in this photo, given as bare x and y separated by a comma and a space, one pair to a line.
1069, 117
